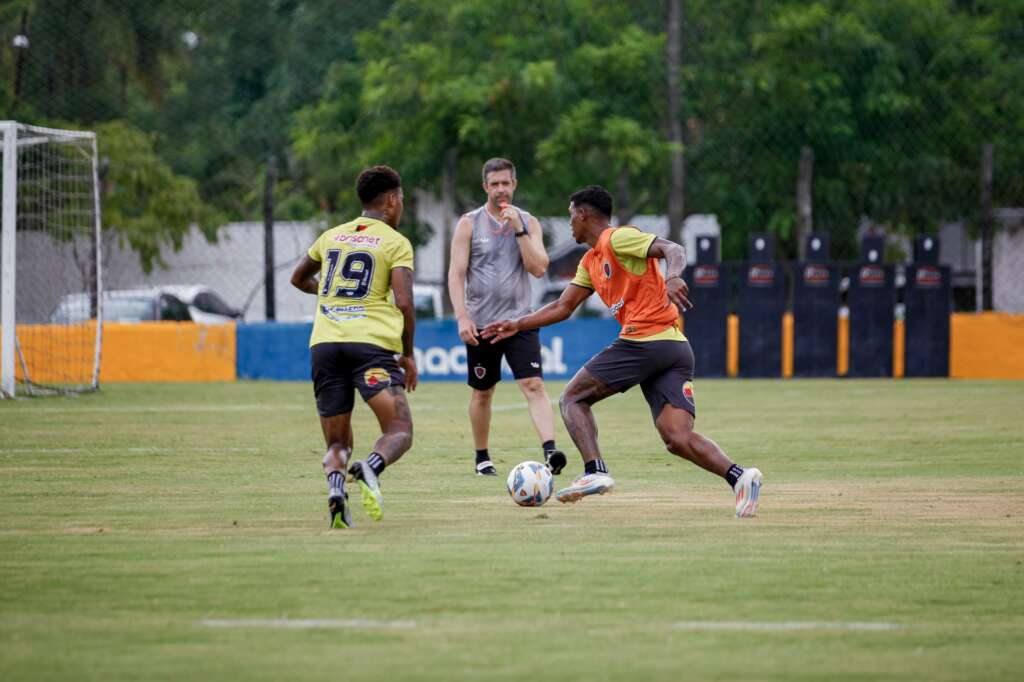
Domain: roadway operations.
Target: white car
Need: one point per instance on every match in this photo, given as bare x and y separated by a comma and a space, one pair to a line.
125, 305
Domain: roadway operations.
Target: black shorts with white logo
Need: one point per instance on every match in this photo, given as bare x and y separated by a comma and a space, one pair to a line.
338, 369
522, 351
664, 370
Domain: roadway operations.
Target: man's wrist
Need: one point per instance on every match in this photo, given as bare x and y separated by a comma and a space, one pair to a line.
523, 233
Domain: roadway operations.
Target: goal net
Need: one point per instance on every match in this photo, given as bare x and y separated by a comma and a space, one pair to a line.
50, 284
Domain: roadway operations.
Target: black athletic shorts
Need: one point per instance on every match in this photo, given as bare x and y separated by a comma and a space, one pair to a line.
340, 368
522, 351
664, 370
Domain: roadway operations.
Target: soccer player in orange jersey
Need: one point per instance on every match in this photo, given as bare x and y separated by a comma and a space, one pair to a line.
622, 267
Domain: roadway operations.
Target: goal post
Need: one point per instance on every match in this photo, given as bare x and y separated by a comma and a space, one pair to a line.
51, 292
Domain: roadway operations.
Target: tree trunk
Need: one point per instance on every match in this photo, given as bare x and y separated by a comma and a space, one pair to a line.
623, 211
448, 179
986, 225
677, 188
269, 297
804, 201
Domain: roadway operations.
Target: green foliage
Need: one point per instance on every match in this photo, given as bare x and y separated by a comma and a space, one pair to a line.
895, 99
144, 201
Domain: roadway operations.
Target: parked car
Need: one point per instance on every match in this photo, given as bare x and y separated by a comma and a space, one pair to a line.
427, 299
127, 305
204, 305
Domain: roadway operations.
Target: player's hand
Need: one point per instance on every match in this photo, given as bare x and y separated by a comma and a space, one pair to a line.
467, 331
509, 213
497, 331
679, 293
412, 375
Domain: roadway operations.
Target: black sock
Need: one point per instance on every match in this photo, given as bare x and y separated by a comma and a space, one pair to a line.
482, 456
595, 467
733, 475
548, 446
335, 481
376, 462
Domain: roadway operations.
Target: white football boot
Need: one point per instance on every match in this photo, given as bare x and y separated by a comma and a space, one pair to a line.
587, 484
747, 489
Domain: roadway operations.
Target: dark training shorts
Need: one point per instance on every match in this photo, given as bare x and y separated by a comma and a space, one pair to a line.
340, 368
522, 351
664, 370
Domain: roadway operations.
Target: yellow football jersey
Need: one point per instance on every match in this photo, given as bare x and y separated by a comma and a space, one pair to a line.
354, 301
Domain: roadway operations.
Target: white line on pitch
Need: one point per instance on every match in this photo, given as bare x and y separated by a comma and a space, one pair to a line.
783, 626
309, 624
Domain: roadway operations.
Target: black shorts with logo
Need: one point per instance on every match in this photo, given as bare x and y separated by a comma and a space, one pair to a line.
340, 368
522, 351
664, 370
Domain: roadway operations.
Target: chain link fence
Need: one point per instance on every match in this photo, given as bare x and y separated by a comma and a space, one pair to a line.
897, 120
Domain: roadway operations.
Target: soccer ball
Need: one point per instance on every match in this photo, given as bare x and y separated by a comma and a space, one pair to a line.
530, 484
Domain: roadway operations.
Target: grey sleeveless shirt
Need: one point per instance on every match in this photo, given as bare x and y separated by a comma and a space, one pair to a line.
497, 284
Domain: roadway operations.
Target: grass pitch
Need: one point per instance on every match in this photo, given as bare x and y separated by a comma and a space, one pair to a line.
179, 532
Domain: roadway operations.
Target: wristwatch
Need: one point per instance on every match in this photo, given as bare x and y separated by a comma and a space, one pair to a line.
523, 233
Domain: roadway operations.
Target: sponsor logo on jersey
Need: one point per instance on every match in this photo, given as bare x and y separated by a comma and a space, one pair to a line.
376, 376
928, 277
816, 275
705, 275
688, 391
761, 276
479, 371
343, 313
871, 276
614, 310
366, 240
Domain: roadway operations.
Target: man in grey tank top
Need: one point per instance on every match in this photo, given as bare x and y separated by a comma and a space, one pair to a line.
494, 249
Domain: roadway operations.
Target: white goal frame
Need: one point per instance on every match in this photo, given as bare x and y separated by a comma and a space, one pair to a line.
8, 264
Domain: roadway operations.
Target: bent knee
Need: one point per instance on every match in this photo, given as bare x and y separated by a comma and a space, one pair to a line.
678, 442
532, 385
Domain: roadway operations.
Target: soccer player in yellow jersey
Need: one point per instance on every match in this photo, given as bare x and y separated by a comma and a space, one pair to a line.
622, 267
357, 333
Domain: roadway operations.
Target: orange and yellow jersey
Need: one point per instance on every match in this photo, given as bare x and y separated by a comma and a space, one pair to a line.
631, 285
354, 301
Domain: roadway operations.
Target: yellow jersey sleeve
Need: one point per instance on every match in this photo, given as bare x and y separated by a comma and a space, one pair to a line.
631, 242
401, 254
314, 251
582, 278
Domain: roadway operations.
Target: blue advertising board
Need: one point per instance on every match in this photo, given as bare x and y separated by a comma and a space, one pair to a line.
280, 351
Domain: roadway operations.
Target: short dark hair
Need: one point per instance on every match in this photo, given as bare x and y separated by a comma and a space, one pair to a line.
498, 164
375, 181
596, 197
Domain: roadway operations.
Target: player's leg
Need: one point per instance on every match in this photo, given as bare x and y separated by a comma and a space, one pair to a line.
579, 395
382, 386
332, 386
671, 398
522, 352
480, 423
483, 364
338, 436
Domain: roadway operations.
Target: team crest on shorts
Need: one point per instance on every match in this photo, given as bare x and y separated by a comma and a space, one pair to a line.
479, 371
688, 391
377, 376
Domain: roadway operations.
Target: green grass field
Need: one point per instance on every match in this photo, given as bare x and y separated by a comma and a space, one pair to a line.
131, 518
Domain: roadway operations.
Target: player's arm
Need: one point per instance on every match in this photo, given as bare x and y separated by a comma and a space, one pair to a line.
401, 285
457, 280
304, 276
674, 256
531, 245
552, 313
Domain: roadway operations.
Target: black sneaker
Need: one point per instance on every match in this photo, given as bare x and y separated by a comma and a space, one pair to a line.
555, 459
338, 512
485, 468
